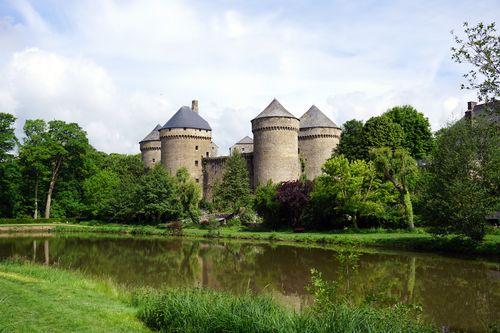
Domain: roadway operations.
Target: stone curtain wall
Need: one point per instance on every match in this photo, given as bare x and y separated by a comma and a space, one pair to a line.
315, 147
275, 151
150, 153
213, 171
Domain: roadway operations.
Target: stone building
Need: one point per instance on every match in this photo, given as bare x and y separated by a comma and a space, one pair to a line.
151, 147
245, 145
318, 137
275, 155
186, 141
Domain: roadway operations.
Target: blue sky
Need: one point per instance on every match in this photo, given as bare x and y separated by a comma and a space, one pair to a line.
119, 67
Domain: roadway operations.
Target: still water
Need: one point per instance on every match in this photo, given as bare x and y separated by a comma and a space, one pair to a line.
455, 294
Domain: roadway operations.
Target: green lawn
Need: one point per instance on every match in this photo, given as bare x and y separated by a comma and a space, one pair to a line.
39, 299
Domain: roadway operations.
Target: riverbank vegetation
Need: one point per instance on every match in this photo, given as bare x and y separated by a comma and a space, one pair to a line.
74, 302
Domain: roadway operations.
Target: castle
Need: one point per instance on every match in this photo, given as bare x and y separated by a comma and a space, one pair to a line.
283, 146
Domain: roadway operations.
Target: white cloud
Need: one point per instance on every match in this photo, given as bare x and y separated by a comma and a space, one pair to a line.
118, 68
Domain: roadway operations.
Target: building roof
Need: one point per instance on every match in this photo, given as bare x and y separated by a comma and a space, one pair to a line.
245, 141
154, 135
275, 109
315, 118
187, 118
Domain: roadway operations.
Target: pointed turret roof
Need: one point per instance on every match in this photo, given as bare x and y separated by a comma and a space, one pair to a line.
315, 118
186, 117
275, 109
246, 140
154, 135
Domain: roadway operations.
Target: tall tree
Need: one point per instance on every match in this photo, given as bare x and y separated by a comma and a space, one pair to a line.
351, 140
381, 132
67, 144
234, 192
400, 169
417, 135
9, 168
8, 138
481, 49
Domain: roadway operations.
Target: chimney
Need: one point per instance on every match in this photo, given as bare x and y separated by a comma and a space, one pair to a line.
194, 105
470, 109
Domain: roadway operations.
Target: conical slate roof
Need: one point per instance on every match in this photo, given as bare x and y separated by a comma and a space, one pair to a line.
246, 140
154, 135
187, 118
275, 109
315, 118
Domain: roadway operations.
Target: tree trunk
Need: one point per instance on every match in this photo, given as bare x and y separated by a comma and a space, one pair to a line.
405, 196
35, 214
55, 172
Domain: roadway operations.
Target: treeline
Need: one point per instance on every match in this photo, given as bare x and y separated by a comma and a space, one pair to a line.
389, 172
57, 173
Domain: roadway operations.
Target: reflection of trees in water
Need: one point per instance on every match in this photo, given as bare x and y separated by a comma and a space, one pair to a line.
460, 292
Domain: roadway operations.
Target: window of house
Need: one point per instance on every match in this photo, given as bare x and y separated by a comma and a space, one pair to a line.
195, 163
242, 149
154, 160
207, 153
196, 147
197, 180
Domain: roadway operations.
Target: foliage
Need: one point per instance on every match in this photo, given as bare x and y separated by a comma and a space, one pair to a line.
417, 135
100, 190
400, 169
294, 196
381, 131
8, 138
481, 49
464, 177
267, 205
189, 195
10, 176
348, 191
351, 140
233, 192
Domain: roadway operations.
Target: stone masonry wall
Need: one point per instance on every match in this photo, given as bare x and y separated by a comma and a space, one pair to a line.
315, 147
150, 153
185, 148
275, 149
213, 171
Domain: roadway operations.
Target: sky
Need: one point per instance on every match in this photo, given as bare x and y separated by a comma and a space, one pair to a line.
118, 68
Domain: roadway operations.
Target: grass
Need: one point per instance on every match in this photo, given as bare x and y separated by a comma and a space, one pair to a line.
207, 311
41, 299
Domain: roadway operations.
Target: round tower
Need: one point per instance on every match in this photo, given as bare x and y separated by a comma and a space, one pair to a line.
185, 140
275, 151
318, 137
151, 148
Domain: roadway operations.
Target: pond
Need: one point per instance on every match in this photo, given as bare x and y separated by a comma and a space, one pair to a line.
453, 293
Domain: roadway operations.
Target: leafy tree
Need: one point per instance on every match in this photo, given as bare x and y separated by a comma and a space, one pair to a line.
349, 189
351, 140
234, 192
294, 196
99, 192
417, 135
464, 179
481, 49
67, 144
400, 169
267, 205
188, 195
381, 132
157, 194
9, 168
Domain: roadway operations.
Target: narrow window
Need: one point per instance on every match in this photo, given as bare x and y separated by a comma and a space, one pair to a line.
195, 163
197, 180
242, 149
207, 153
154, 160
196, 147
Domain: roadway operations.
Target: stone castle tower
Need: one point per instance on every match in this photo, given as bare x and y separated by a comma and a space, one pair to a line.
186, 139
275, 154
151, 148
318, 137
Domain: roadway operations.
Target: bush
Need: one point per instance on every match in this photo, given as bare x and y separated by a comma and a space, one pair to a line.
28, 220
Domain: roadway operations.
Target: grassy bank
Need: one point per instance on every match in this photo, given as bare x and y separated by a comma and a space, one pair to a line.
44, 299
41, 299
418, 241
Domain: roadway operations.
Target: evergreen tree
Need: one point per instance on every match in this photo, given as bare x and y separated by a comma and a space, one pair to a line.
233, 192
351, 140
